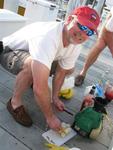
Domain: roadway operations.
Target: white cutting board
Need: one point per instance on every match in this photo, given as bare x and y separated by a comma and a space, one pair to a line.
54, 138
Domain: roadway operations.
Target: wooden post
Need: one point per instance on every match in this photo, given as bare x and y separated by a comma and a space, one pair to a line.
1, 3
21, 10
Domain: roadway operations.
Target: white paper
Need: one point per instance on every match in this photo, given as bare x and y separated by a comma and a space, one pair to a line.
54, 138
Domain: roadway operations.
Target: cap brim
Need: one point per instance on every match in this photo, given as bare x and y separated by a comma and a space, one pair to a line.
87, 23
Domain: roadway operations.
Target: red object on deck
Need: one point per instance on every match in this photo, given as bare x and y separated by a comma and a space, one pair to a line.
109, 93
87, 102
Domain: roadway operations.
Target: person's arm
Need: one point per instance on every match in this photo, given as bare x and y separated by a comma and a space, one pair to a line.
93, 55
101, 43
42, 94
57, 84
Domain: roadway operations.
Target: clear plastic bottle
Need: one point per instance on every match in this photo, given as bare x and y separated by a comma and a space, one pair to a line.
102, 84
104, 79
92, 91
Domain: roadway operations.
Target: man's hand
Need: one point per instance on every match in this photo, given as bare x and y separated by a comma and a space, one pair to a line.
59, 104
54, 123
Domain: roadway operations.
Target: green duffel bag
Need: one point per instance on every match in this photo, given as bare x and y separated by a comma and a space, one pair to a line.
88, 123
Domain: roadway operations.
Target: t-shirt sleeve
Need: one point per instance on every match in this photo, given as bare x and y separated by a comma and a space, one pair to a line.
109, 23
69, 62
42, 50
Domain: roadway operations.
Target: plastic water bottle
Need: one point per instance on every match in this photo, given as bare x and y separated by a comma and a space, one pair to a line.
104, 79
101, 84
92, 91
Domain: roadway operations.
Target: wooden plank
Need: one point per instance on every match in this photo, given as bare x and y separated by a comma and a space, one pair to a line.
31, 137
85, 144
111, 145
9, 142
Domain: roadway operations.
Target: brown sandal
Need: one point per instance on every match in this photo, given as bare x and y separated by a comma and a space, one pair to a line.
79, 80
20, 114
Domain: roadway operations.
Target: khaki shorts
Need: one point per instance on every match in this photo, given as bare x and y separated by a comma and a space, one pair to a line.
13, 61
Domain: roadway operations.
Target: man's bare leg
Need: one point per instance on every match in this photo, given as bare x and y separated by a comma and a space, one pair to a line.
23, 81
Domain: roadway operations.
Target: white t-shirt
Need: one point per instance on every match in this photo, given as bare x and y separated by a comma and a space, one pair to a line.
43, 40
109, 23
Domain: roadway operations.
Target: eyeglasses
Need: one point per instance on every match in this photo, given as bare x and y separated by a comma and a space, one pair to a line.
88, 31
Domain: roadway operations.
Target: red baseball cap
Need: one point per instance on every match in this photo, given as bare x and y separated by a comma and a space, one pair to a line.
87, 16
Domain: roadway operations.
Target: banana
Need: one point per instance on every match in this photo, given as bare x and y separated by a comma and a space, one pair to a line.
66, 94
